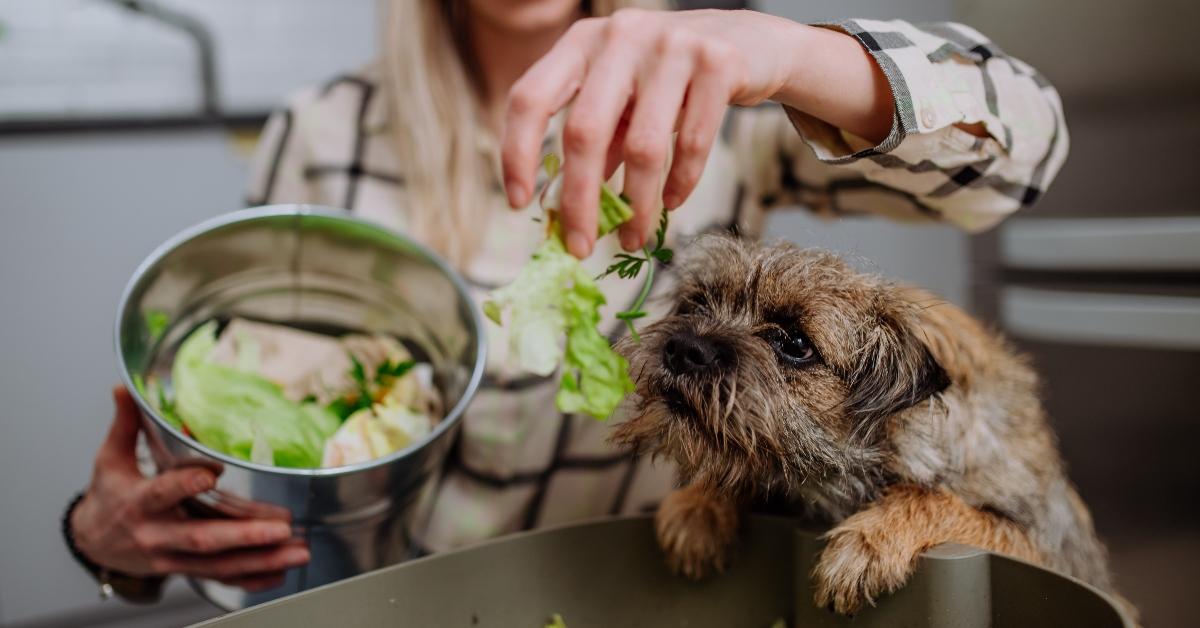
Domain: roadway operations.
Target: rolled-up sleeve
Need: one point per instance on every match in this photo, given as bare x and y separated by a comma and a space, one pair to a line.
941, 75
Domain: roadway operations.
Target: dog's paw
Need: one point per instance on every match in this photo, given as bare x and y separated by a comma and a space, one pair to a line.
696, 529
851, 572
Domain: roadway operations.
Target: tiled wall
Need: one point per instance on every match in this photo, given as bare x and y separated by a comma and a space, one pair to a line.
94, 58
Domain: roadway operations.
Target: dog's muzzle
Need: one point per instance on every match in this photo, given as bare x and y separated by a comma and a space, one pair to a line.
686, 353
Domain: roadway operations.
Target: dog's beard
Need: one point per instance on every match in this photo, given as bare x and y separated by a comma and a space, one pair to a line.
725, 426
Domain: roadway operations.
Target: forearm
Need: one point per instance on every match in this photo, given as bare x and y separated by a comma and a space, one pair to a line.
948, 83
833, 78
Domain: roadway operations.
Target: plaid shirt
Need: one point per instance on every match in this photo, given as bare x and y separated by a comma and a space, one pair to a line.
520, 464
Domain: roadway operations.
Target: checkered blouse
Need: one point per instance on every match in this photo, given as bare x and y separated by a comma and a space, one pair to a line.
518, 463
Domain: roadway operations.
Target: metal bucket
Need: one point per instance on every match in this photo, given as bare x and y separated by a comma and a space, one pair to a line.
311, 267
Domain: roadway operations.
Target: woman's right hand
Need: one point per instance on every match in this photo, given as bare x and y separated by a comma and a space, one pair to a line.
133, 524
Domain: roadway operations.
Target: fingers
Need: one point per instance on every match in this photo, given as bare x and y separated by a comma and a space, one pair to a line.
648, 140
586, 137
168, 489
212, 536
256, 583
235, 564
634, 77
699, 123
118, 451
616, 147
541, 92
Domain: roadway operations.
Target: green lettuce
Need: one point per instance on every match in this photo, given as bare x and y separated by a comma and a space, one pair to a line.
554, 314
554, 307
535, 302
241, 413
595, 378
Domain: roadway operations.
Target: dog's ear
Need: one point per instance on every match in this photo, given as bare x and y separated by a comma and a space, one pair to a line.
895, 368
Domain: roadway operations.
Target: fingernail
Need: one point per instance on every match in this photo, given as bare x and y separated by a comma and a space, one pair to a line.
201, 482
516, 193
629, 241
670, 201
296, 556
278, 531
577, 244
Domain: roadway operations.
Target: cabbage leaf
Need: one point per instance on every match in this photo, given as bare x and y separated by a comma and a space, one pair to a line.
553, 307
243, 414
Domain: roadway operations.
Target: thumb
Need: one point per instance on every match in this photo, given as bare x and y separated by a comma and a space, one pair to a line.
119, 446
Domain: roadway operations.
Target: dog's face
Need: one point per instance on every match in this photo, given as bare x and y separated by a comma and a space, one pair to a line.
777, 364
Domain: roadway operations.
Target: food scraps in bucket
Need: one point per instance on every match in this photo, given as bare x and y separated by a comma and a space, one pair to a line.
276, 395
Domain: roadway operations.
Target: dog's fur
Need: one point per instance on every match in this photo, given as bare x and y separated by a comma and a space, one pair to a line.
910, 426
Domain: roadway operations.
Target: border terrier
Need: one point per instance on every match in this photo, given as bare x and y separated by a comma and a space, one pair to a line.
876, 408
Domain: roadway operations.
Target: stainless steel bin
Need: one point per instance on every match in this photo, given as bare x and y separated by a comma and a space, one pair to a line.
315, 267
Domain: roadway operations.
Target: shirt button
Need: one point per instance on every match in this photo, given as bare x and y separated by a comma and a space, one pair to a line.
928, 117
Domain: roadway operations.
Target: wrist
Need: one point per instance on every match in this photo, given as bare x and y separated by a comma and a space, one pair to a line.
832, 77
801, 49
70, 524
788, 45
77, 521
139, 589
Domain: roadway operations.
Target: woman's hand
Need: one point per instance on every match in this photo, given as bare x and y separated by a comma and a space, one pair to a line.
134, 525
638, 76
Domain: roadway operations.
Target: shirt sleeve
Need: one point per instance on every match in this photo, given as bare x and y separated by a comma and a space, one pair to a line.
277, 167
940, 75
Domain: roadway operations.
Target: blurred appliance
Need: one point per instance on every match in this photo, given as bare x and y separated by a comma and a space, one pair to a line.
1100, 283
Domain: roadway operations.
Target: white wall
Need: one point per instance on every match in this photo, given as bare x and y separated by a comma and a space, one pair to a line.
79, 213
91, 57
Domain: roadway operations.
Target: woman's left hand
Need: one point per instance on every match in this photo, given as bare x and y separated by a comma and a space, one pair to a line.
639, 76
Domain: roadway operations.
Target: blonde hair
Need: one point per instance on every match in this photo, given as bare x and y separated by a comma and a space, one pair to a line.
436, 123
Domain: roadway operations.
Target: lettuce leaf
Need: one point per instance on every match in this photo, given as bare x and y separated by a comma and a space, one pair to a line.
243, 414
554, 307
554, 310
534, 301
595, 378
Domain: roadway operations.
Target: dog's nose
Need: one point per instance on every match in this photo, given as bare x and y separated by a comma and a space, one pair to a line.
689, 353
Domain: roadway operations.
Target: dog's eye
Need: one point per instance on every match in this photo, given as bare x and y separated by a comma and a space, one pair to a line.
793, 348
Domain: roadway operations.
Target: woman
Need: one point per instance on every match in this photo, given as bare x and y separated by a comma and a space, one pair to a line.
916, 123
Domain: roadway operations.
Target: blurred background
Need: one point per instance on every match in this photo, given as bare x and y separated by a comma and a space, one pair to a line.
122, 122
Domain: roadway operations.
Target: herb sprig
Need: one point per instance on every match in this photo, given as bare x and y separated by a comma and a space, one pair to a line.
385, 375
629, 266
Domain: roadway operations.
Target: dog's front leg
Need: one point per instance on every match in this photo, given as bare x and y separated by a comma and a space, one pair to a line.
875, 550
696, 527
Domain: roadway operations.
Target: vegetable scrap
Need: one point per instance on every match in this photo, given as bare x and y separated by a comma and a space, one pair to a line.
553, 308
276, 395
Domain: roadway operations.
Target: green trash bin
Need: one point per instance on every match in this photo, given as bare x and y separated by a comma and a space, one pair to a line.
610, 574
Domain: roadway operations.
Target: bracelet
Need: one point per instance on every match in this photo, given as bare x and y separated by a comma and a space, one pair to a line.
101, 574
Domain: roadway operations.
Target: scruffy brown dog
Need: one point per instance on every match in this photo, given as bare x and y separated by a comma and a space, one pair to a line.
878, 408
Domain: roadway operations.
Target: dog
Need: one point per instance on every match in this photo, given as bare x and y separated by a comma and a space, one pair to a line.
877, 408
